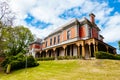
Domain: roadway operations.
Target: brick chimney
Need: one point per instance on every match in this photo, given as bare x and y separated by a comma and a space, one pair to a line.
92, 18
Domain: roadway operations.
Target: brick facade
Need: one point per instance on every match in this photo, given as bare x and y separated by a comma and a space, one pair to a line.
82, 32
94, 33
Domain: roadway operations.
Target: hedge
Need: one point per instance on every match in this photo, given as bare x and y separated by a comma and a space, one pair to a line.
117, 57
105, 55
58, 58
45, 58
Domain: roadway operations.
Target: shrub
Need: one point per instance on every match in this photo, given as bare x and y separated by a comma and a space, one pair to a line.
117, 57
104, 55
15, 64
67, 57
31, 62
60, 57
45, 58
6, 61
19, 61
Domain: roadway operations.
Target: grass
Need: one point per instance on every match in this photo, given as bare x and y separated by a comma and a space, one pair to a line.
68, 70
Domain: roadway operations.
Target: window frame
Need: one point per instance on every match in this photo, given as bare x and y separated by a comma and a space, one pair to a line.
50, 41
58, 38
46, 43
68, 36
54, 40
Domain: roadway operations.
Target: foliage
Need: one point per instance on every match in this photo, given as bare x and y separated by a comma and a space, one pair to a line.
13, 40
105, 55
67, 57
45, 58
19, 61
6, 20
16, 40
58, 58
31, 62
19, 39
117, 57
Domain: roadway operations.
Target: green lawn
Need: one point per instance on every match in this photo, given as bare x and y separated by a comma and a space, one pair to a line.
68, 70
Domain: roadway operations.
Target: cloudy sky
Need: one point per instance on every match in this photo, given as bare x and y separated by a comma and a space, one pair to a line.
44, 16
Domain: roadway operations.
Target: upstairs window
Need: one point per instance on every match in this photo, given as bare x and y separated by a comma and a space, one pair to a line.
46, 43
58, 38
54, 40
68, 34
89, 33
51, 41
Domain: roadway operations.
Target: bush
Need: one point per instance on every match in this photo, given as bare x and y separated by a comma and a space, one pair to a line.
117, 57
31, 62
15, 64
61, 58
45, 58
19, 61
104, 55
6, 61
67, 57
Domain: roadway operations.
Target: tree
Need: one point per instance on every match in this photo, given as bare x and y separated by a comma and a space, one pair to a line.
6, 20
6, 14
18, 40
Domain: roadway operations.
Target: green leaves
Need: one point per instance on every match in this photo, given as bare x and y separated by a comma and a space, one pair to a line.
19, 39
15, 40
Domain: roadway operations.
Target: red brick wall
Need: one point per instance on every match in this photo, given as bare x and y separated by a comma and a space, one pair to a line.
73, 32
37, 46
64, 35
92, 19
82, 32
94, 33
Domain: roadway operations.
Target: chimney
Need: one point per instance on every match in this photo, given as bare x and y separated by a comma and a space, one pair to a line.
92, 18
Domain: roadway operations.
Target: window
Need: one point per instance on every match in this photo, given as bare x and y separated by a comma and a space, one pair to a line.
51, 41
54, 40
58, 38
46, 43
68, 34
89, 33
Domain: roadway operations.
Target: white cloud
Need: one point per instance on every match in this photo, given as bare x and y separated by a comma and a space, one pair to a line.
47, 11
111, 31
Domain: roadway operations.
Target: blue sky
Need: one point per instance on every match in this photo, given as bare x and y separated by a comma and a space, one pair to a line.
44, 16
30, 20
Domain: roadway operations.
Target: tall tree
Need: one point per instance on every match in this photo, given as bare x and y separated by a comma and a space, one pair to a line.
18, 40
6, 19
